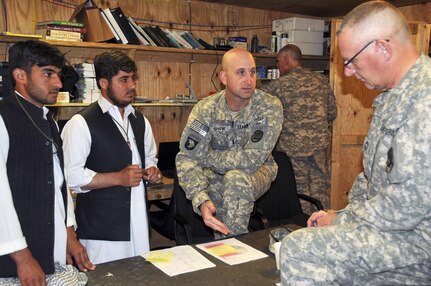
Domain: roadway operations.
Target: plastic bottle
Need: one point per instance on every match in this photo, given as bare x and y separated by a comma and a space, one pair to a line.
254, 44
274, 42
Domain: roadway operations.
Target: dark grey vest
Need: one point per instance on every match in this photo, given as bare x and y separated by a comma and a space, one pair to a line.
104, 214
31, 177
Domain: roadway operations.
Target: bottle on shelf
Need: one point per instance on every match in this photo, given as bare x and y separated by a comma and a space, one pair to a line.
274, 42
254, 44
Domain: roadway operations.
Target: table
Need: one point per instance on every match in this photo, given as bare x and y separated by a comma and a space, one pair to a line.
161, 192
137, 271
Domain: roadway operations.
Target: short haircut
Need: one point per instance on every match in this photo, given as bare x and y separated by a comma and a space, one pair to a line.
109, 63
31, 53
388, 19
293, 51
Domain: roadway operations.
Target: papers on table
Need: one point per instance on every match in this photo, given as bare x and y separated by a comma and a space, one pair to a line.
178, 260
231, 251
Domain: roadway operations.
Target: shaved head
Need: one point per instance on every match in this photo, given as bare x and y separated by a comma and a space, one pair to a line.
230, 57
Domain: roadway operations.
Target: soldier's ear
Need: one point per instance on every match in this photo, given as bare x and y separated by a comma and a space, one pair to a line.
223, 78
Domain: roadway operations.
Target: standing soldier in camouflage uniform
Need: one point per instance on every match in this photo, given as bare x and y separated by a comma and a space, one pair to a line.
225, 161
383, 237
309, 109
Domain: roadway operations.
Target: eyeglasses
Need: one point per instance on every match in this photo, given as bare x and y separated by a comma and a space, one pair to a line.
347, 63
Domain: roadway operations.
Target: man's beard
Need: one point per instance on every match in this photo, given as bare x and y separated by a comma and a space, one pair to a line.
114, 100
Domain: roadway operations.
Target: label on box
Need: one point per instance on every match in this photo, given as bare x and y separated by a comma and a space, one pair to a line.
238, 39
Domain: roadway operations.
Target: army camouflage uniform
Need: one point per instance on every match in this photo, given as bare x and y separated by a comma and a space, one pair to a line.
383, 237
309, 109
226, 157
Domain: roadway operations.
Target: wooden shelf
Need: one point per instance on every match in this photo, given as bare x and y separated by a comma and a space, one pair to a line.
147, 104
88, 50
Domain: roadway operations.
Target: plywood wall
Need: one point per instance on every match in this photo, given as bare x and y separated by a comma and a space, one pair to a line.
159, 78
162, 78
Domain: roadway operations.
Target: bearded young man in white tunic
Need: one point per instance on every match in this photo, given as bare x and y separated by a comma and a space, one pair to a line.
109, 154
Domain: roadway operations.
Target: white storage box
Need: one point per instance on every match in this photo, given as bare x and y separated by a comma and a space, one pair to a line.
302, 36
307, 24
310, 49
296, 23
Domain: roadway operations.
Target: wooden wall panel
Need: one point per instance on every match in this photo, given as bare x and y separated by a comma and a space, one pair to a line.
162, 77
167, 122
160, 80
419, 12
350, 165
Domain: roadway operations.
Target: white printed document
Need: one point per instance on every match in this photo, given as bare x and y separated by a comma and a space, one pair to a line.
231, 251
178, 260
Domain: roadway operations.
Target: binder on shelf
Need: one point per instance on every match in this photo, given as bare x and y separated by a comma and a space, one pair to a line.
124, 25
140, 33
115, 26
111, 27
164, 37
179, 39
97, 29
191, 40
174, 40
202, 42
156, 39
147, 37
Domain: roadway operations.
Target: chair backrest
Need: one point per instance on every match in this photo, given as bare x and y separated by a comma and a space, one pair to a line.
281, 200
188, 226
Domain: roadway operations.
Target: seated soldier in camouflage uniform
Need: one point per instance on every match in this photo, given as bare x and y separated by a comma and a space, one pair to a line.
225, 161
383, 236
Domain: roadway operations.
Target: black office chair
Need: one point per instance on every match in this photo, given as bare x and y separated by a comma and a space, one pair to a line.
177, 221
280, 205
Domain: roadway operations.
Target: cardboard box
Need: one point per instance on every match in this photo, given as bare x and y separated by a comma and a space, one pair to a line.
63, 97
277, 25
310, 49
302, 36
297, 23
238, 42
97, 28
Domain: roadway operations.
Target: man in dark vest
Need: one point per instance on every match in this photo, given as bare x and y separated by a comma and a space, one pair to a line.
110, 152
37, 236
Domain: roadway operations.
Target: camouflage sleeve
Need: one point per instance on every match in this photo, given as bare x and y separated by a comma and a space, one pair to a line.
269, 87
357, 195
193, 147
405, 201
249, 157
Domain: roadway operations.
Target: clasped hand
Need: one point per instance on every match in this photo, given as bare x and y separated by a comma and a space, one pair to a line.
132, 175
321, 218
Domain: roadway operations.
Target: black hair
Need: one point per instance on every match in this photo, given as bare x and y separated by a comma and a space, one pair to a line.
109, 63
27, 54
293, 51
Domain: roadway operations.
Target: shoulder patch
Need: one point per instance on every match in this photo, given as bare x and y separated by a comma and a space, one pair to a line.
190, 143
